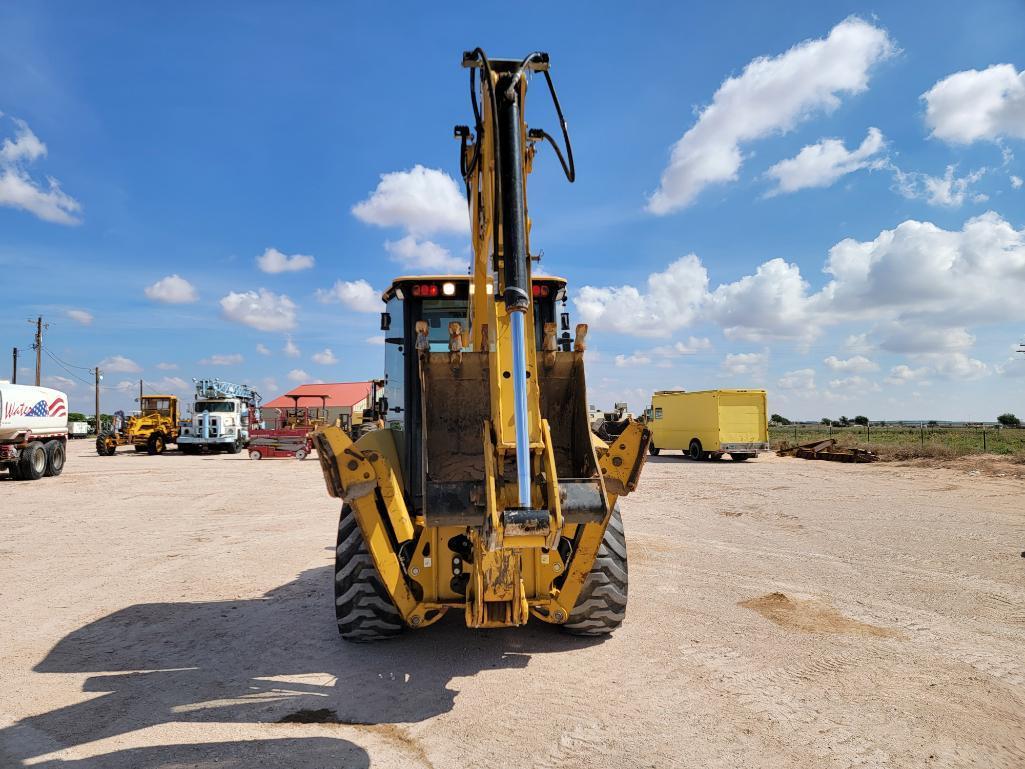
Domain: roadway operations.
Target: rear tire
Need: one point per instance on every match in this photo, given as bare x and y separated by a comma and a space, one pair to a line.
55, 457
695, 451
601, 606
363, 608
32, 462
155, 444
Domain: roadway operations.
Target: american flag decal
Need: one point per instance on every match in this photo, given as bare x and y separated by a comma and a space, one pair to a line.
43, 409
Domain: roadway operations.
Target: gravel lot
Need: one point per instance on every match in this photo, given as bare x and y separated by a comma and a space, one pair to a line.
174, 611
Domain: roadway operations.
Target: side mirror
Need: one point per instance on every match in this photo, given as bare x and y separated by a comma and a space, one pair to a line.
386, 321
564, 321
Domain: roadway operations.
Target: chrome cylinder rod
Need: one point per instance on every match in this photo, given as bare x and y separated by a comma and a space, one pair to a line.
519, 355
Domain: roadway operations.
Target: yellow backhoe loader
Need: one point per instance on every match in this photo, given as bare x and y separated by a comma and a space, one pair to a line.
486, 490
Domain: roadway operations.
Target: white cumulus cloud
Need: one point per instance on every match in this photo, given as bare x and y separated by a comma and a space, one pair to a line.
80, 316
357, 295
274, 261
628, 361
325, 357
167, 366
857, 364
173, 289
772, 95
422, 201
291, 349
423, 255
975, 105
671, 301
947, 190
263, 310
298, 375
19, 190
801, 380
1016, 182
119, 363
262, 348
821, 164
752, 364
219, 359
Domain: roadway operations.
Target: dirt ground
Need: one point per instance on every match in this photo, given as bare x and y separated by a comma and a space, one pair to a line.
173, 611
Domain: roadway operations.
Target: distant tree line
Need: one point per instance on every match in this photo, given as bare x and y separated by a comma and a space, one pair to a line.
1005, 420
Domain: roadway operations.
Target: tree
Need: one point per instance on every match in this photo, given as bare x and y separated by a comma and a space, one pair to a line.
932, 423
826, 421
1009, 420
844, 421
859, 420
779, 420
76, 416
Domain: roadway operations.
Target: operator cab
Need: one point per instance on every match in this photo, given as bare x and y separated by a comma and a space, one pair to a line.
160, 405
440, 300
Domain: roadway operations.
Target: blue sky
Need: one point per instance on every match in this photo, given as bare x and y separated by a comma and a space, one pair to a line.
191, 144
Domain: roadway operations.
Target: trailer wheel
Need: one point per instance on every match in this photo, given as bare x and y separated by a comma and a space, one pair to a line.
300, 454
695, 451
13, 470
32, 463
601, 606
54, 458
363, 608
653, 449
155, 444
254, 454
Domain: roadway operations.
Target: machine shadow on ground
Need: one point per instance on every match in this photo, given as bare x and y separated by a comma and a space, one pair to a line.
261, 660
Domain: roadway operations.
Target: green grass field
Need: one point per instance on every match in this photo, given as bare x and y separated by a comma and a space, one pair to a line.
908, 442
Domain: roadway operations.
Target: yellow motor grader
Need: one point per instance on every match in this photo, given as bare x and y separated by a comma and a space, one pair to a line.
485, 491
155, 426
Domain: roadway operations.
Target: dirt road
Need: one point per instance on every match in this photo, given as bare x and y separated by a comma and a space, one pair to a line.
175, 611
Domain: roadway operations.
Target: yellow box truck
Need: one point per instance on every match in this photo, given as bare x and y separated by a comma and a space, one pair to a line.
709, 423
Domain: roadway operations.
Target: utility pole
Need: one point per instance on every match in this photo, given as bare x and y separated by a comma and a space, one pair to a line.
140, 396
96, 371
39, 348
14, 367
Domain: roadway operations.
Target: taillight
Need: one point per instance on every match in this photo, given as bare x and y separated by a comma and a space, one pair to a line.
540, 290
425, 289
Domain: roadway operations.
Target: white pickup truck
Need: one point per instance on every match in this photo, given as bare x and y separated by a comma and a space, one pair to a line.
33, 431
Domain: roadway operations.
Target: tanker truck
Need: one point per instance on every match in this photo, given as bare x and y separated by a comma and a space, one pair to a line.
33, 431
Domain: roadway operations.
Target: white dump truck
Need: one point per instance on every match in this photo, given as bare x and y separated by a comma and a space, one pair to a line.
221, 417
33, 431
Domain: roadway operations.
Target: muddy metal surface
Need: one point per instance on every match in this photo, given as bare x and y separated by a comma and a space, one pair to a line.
174, 611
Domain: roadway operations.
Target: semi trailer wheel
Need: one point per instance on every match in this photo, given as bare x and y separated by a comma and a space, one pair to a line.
601, 606
155, 444
54, 458
32, 463
695, 451
254, 454
362, 606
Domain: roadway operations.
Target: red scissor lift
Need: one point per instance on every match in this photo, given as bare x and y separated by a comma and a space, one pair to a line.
292, 438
